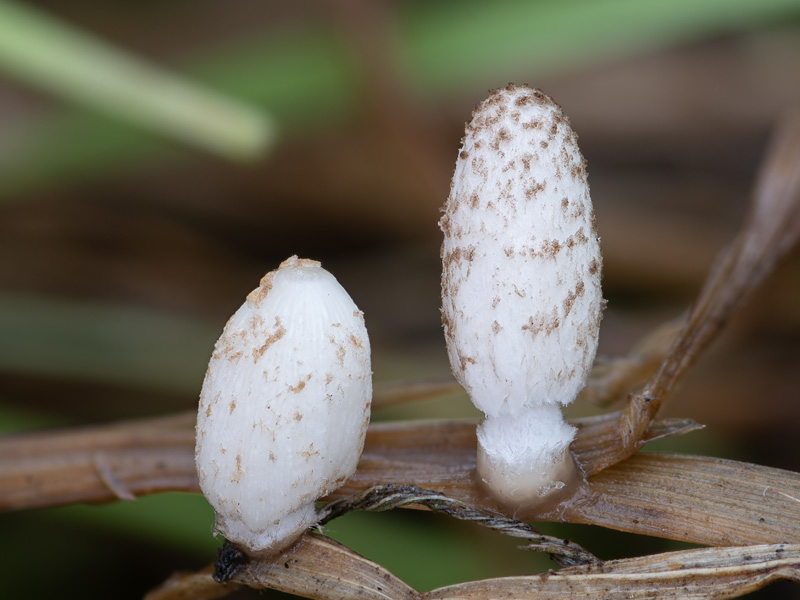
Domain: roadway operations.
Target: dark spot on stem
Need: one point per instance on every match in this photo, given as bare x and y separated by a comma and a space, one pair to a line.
228, 562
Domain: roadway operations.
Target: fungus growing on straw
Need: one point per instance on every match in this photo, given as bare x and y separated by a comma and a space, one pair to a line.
284, 407
521, 297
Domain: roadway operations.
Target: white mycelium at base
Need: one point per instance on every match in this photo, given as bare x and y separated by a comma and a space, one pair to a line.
521, 297
284, 408
524, 458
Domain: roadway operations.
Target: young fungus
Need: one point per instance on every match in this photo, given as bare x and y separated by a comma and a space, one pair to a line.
284, 407
521, 297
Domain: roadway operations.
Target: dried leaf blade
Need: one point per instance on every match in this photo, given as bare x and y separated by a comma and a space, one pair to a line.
693, 574
694, 499
320, 568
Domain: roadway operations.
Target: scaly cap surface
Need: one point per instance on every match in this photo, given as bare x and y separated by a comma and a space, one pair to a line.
284, 407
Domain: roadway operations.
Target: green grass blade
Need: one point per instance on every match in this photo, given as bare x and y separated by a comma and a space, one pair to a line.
305, 78
62, 60
107, 343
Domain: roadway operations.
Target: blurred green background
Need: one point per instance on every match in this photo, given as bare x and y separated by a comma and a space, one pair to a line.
157, 158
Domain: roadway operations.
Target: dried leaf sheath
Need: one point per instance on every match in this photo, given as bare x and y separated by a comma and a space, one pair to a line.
440, 455
102, 463
156, 455
151, 455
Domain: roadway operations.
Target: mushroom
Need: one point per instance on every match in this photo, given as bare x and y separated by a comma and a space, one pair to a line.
284, 407
521, 297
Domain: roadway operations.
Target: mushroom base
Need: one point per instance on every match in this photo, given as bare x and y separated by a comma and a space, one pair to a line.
271, 539
530, 477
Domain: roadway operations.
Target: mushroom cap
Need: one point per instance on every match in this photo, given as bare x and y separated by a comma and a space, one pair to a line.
284, 407
521, 296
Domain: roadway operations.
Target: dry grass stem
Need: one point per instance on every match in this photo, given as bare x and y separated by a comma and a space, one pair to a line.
693, 574
770, 230
97, 464
387, 497
322, 569
199, 585
613, 378
694, 499
316, 567
133, 458
155, 455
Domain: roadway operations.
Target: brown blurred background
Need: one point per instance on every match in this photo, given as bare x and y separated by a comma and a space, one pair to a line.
122, 253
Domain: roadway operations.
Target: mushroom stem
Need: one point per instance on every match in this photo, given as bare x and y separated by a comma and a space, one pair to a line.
524, 460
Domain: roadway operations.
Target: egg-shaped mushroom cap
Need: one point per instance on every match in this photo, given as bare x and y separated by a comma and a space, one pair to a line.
521, 296
284, 407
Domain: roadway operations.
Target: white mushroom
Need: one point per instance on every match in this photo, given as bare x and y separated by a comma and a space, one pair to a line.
521, 297
284, 407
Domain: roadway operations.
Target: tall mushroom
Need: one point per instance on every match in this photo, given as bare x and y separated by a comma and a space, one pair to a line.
284, 407
521, 296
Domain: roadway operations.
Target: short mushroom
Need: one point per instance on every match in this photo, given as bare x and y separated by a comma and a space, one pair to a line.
521, 296
284, 407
